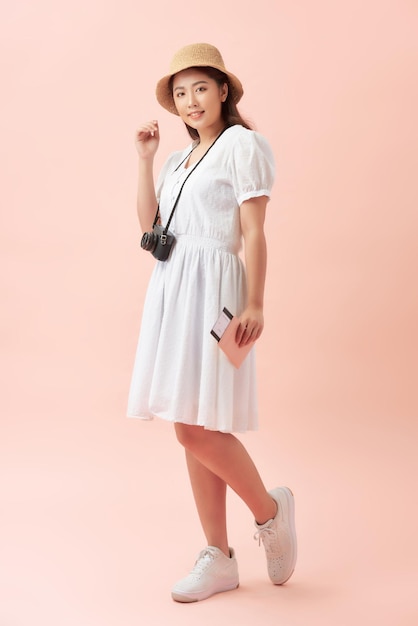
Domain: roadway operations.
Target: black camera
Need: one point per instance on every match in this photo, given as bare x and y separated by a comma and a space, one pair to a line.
159, 242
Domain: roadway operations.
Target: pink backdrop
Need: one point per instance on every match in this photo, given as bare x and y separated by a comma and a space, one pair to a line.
97, 518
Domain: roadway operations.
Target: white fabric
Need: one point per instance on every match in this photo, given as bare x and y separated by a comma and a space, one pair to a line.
180, 374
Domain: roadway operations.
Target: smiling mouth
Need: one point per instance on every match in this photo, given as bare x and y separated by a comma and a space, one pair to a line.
195, 114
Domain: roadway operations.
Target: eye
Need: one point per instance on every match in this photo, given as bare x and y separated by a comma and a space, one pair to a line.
201, 89
179, 94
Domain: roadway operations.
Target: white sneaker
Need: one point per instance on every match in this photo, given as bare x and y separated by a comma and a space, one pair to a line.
279, 537
213, 572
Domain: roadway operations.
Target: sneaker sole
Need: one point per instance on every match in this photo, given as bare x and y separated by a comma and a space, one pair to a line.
196, 597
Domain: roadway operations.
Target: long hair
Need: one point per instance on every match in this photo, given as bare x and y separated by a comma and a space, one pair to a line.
230, 114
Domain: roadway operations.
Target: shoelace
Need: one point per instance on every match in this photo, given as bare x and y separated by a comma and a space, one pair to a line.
205, 557
263, 533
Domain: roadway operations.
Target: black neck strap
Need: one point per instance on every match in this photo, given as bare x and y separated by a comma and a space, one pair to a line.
157, 215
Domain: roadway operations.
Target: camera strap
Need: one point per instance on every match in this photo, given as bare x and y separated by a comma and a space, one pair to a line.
157, 215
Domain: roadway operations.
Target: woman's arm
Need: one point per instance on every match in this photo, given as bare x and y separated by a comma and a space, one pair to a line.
253, 213
147, 139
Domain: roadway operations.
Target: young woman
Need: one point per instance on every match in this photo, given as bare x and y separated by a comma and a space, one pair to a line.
219, 185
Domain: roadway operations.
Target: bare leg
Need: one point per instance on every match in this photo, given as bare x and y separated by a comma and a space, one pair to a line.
209, 493
226, 458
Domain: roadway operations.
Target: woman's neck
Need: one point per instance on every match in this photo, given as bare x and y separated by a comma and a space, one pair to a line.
208, 136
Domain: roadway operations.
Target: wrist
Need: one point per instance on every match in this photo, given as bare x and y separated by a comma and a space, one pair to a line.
255, 305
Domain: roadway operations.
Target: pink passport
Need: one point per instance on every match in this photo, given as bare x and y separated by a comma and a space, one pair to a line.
224, 331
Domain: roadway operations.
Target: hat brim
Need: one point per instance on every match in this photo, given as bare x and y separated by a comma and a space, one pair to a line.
165, 96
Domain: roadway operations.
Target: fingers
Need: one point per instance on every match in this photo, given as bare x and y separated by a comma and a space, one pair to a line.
248, 331
147, 131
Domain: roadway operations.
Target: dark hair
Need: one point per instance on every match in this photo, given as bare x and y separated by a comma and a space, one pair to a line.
229, 111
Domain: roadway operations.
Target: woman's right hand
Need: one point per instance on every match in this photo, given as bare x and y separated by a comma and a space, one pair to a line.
147, 138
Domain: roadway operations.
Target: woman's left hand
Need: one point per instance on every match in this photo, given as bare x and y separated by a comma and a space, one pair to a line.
251, 325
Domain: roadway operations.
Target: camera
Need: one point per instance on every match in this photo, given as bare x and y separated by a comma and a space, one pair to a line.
159, 242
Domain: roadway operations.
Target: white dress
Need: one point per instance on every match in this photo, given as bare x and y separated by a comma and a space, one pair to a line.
180, 374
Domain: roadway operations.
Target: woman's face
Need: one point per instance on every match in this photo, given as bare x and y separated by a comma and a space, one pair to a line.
198, 99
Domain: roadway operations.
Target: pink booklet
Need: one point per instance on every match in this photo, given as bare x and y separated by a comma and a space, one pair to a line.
224, 331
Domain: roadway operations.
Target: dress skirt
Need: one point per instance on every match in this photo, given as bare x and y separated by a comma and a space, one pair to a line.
180, 373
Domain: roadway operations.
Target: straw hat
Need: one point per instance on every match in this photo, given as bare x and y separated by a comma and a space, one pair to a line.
195, 55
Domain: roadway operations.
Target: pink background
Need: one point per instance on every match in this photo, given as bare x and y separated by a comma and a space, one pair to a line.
97, 518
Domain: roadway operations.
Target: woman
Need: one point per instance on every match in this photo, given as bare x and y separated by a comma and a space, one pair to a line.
180, 373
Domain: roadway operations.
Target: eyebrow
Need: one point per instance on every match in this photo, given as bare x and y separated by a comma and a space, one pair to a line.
198, 82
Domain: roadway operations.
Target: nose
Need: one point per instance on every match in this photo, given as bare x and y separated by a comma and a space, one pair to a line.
191, 99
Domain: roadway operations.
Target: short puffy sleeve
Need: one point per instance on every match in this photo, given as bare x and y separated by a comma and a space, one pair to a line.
251, 166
